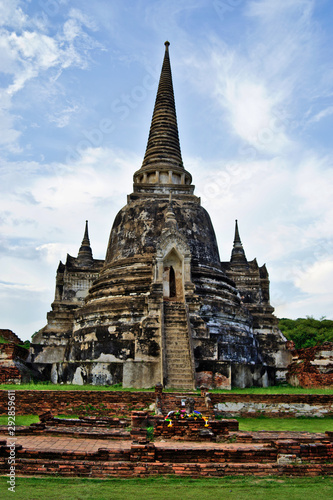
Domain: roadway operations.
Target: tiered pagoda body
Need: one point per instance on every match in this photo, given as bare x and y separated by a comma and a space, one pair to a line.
162, 308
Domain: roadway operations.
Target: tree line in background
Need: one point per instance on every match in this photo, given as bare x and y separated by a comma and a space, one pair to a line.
307, 332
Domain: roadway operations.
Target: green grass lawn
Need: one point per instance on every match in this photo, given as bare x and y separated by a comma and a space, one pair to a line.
170, 488
276, 389
48, 386
300, 424
20, 419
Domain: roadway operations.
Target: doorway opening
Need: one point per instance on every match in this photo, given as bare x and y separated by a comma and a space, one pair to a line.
172, 282
173, 288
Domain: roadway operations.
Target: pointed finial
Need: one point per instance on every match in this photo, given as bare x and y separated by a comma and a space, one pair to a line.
238, 255
86, 235
85, 256
163, 154
163, 146
237, 239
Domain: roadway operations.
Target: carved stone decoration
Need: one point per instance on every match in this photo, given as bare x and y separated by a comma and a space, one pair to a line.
189, 405
173, 255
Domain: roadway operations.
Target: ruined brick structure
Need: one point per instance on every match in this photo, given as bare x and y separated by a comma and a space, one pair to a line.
223, 404
162, 307
312, 367
12, 359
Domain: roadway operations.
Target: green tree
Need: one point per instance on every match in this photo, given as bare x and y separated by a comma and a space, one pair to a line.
307, 332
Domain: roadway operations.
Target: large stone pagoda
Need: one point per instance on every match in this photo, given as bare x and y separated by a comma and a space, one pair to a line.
162, 307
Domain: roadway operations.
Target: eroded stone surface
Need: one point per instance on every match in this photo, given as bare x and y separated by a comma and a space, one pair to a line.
162, 307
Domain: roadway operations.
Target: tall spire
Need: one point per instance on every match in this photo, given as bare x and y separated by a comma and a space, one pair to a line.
162, 163
163, 142
237, 240
238, 254
85, 256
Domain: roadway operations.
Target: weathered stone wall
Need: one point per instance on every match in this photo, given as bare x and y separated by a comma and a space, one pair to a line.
162, 246
274, 406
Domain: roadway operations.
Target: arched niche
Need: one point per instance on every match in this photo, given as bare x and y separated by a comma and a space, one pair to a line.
173, 276
173, 251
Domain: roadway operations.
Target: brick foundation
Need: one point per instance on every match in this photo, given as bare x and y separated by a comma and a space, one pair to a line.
9, 373
142, 460
233, 453
194, 430
312, 367
121, 403
101, 403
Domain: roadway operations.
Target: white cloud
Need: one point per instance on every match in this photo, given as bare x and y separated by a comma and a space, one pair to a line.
260, 81
8, 135
322, 114
60, 197
94, 187
63, 116
251, 112
249, 103
11, 287
314, 187
51, 253
317, 279
12, 14
269, 11
28, 53
321, 304
285, 218
254, 88
83, 19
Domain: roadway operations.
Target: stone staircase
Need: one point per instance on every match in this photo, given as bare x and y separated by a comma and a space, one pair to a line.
178, 359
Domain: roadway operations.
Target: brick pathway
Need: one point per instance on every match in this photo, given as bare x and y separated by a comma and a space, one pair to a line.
59, 443
55, 443
49, 443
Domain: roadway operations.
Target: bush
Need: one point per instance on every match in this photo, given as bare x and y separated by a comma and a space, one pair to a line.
307, 332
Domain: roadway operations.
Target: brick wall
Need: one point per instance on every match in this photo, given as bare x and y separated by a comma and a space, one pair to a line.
12, 351
194, 430
312, 367
10, 336
77, 402
9, 373
121, 403
140, 460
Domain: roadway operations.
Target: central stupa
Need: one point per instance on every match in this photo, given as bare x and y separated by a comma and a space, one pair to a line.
163, 307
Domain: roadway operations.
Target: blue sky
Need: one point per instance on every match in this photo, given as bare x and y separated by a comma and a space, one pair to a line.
253, 84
